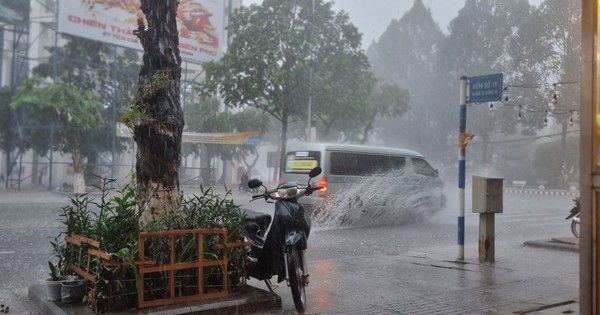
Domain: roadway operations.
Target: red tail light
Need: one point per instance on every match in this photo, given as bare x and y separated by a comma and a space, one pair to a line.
323, 183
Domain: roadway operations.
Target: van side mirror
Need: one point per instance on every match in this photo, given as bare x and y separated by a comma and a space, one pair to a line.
315, 172
436, 173
254, 183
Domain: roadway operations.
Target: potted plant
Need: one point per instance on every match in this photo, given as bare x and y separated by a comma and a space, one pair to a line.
53, 284
72, 291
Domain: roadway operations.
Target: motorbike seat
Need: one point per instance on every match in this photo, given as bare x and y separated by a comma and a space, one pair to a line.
261, 219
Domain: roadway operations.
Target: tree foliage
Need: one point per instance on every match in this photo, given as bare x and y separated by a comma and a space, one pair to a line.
204, 116
405, 55
74, 112
267, 65
109, 72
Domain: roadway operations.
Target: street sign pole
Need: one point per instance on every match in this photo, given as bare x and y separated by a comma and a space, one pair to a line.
485, 88
461, 167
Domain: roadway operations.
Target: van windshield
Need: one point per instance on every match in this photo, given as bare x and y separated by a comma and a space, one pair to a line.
361, 164
302, 161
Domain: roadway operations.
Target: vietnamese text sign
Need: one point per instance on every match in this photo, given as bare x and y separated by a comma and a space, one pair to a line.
485, 88
236, 138
200, 24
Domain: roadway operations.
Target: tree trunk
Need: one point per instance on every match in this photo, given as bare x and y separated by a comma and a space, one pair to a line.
78, 179
158, 134
563, 152
282, 146
250, 166
367, 129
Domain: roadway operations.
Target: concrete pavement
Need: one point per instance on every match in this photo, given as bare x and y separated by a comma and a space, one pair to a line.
533, 277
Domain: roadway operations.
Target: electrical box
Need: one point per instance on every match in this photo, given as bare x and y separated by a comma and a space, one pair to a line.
487, 194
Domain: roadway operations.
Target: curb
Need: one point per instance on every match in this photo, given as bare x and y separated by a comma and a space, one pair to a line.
541, 192
248, 300
553, 244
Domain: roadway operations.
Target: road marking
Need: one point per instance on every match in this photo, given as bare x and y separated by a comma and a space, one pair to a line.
7, 252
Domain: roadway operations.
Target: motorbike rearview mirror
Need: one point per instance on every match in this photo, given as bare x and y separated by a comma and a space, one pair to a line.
314, 172
254, 183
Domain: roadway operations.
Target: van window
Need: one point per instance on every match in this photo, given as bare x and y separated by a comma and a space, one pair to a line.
360, 164
302, 161
422, 167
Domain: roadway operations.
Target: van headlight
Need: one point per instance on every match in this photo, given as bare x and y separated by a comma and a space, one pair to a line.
287, 193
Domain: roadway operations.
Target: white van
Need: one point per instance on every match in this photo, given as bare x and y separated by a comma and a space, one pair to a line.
345, 166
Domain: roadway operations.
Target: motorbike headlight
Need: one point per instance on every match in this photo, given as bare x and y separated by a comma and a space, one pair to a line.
287, 193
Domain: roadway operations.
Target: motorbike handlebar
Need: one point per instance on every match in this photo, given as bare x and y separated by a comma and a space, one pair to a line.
266, 194
310, 189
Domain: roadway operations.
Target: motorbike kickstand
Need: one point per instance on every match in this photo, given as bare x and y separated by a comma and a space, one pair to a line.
269, 285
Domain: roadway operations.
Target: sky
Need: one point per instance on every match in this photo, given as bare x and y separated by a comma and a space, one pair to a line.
373, 16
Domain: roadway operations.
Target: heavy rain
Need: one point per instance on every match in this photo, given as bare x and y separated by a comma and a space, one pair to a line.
130, 131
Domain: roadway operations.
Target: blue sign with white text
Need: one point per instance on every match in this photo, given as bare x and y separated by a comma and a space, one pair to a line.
485, 88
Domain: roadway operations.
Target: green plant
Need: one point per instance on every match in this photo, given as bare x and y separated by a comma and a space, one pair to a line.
54, 272
112, 219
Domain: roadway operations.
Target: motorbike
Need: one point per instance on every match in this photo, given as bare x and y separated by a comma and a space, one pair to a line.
574, 216
243, 188
279, 246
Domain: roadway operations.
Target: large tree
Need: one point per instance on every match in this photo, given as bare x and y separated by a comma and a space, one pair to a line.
405, 55
74, 112
156, 116
478, 45
551, 46
109, 72
204, 116
267, 65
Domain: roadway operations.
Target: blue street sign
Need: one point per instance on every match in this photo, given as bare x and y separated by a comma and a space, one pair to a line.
485, 88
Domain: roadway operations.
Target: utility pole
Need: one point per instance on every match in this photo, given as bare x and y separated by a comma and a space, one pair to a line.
310, 75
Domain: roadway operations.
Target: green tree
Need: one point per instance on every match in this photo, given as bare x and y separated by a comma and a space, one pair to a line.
156, 116
387, 100
74, 112
105, 69
405, 54
551, 167
267, 64
204, 116
478, 45
550, 48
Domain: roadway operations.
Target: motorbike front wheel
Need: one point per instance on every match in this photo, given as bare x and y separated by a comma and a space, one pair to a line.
296, 270
575, 228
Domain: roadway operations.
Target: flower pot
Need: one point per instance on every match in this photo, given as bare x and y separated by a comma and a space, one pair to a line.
53, 288
72, 291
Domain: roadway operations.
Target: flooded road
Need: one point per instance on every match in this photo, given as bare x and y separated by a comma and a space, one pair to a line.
344, 262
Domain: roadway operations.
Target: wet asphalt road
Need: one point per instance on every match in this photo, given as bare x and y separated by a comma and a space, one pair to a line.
27, 220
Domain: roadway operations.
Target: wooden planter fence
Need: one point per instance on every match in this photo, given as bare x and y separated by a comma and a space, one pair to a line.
82, 264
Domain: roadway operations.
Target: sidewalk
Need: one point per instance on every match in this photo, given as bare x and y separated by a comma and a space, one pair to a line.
411, 283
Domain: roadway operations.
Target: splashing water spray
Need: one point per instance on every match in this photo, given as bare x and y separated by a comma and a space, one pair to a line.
390, 198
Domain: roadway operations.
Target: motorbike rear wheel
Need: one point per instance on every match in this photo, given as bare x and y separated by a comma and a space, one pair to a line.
575, 228
296, 270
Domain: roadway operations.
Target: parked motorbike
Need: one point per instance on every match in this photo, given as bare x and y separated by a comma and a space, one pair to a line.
280, 251
574, 216
243, 188
243, 185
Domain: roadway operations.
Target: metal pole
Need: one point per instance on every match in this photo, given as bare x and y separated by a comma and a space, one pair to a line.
310, 75
115, 101
51, 155
1, 52
461, 167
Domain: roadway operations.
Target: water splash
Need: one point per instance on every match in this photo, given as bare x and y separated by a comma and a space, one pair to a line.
384, 199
